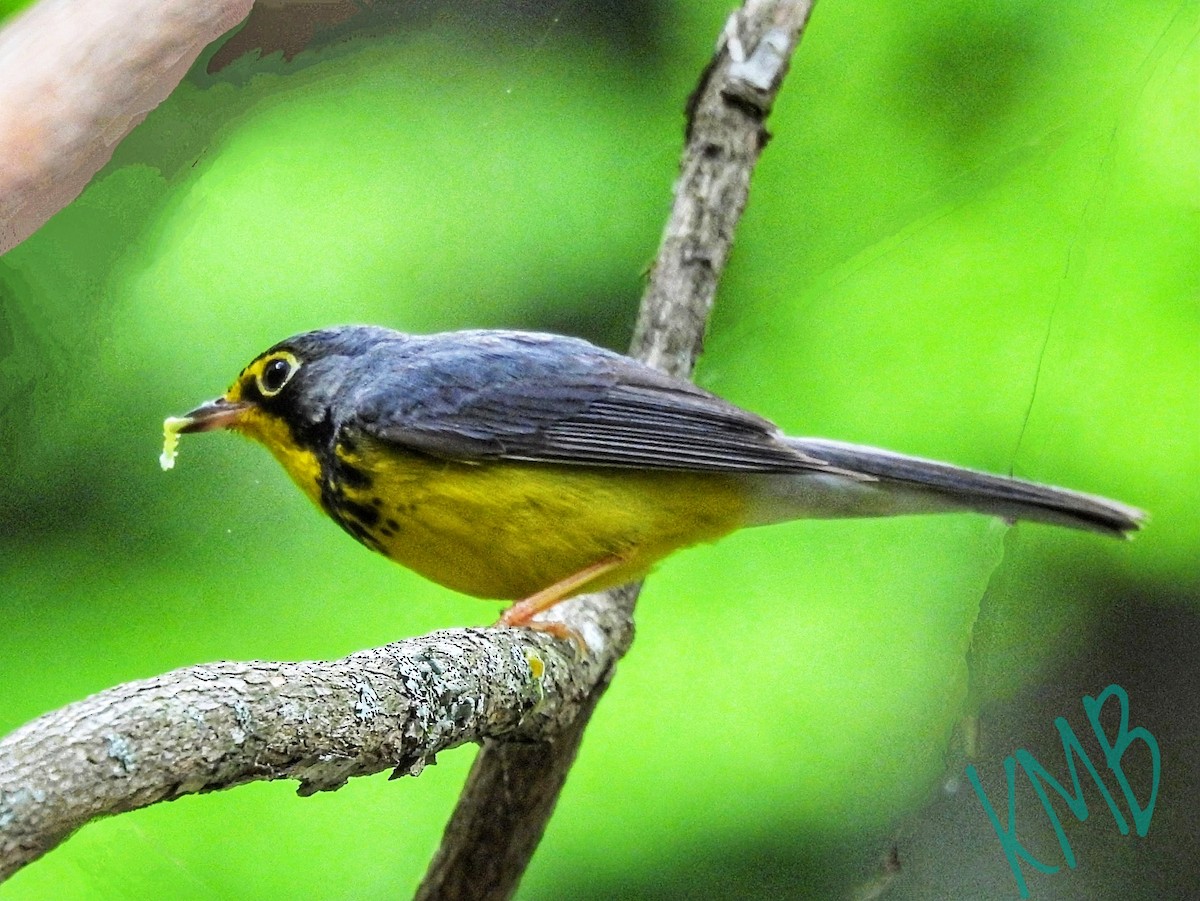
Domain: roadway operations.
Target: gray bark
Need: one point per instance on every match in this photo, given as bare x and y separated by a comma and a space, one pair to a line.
511, 791
524, 696
214, 726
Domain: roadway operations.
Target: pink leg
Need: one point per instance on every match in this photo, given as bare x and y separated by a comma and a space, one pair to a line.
522, 612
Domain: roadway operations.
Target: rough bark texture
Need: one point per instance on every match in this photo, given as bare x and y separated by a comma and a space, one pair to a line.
525, 696
508, 799
725, 136
511, 791
214, 726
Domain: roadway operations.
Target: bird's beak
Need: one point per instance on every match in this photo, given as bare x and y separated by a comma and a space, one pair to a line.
216, 414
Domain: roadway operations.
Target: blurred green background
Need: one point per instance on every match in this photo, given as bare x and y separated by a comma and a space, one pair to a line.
974, 236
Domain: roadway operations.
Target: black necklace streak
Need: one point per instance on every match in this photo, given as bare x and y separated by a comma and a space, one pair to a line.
358, 519
324, 439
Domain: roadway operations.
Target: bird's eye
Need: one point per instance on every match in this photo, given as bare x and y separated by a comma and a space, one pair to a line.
276, 374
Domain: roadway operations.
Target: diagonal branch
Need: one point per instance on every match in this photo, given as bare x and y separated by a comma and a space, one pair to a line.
526, 697
512, 789
725, 136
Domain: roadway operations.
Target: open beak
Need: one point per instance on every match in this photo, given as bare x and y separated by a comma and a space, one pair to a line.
216, 414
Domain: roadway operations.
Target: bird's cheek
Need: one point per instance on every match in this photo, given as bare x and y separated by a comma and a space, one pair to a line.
259, 426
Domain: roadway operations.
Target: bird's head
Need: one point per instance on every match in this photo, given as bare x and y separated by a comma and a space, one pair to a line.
284, 397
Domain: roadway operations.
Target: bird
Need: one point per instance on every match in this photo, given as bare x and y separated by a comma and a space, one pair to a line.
533, 467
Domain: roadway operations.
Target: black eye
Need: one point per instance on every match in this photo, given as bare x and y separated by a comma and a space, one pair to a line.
276, 374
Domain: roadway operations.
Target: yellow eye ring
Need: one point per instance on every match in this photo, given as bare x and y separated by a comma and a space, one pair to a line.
276, 373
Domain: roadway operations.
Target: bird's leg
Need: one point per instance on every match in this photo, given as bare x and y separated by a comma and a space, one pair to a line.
521, 613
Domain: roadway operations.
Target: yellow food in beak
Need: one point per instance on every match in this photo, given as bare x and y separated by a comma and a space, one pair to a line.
216, 414
172, 426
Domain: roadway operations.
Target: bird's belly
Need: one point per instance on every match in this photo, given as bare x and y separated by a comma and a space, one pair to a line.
507, 530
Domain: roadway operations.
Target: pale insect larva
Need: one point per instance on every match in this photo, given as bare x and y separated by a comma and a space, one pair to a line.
171, 428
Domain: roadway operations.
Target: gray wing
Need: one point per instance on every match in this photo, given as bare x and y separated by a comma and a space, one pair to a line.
476, 396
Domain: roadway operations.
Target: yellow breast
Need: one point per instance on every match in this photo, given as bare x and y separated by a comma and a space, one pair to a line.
506, 530
301, 464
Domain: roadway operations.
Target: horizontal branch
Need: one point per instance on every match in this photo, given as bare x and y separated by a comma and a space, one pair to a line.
205, 728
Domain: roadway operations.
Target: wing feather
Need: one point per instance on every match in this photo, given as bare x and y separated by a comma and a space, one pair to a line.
479, 396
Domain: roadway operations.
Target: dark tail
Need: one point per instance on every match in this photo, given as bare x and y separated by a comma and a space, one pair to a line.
913, 485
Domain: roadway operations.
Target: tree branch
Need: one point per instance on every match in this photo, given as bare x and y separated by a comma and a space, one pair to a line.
526, 697
725, 136
513, 788
204, 728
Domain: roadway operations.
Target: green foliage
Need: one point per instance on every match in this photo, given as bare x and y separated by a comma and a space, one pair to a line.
972, 237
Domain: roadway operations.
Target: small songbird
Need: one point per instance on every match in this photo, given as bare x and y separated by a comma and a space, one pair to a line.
516, 465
